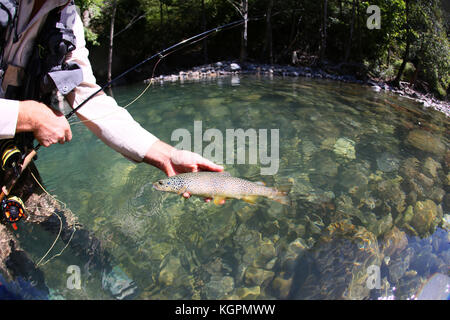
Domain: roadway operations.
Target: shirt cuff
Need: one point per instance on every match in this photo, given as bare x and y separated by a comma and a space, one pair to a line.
9, 112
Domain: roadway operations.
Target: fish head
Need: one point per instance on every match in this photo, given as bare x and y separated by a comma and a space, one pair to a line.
168, 185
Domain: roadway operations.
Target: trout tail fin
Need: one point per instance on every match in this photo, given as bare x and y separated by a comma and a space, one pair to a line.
281, 197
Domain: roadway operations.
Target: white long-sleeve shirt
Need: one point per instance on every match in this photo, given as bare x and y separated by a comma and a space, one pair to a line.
109, 122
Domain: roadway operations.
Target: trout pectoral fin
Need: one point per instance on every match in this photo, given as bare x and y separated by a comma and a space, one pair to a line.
219, 200
250, 199
182, 190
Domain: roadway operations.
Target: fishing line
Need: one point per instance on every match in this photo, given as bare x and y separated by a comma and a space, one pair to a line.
183, 44
160, 54
39, 263
127, 105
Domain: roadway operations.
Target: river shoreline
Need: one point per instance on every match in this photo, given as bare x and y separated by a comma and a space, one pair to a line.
230, 68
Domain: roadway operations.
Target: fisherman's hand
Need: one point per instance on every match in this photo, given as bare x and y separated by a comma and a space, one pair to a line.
173, 161
48, 126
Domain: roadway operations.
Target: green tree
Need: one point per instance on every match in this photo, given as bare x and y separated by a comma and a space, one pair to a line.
89, 10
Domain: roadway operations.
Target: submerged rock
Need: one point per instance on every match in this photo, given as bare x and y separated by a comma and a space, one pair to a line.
394, 241
256, 251
410, 167
353, 180
301, 185
437, 195
387, 162
325, 164
340, 260
308, 149
295, 250
170, 271
248, 293
245, 213
399, 265
431, 167
324, 170
381, 226
390, 192
425, 141
426, 217
345, 148
281, 286
219, 287
257, 276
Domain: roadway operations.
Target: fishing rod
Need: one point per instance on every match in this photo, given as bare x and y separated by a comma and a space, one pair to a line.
11, 155
161, 54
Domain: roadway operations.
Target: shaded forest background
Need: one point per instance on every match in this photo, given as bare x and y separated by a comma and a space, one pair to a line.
411, 45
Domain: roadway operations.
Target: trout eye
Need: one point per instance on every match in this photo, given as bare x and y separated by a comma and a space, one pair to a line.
160, 182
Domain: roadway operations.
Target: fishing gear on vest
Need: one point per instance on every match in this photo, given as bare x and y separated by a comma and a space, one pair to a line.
47, 78
12, 208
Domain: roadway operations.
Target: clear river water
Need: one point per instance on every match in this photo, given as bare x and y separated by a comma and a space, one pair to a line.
366, 172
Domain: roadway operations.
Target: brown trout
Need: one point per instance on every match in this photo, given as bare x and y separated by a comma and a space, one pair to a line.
219, 186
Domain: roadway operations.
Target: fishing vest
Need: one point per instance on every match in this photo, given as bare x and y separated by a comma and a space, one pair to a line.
47, 78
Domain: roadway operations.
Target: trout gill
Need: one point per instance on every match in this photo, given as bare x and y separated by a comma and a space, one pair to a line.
219, 186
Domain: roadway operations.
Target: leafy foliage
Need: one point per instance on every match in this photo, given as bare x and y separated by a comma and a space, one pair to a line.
147, 26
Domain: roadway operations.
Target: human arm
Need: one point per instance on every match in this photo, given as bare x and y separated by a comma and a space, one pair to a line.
48, 127
115, 126
173, 161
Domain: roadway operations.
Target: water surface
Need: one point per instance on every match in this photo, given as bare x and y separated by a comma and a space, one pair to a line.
367, 173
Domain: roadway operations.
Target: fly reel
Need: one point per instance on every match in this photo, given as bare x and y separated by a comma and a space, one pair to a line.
11, 156
12, 210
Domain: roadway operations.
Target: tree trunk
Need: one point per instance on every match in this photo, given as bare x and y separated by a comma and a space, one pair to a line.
388, 58
323, 45
412, 81
205, 43
267, 49
243, 55
403, 65
358, 20
111, 44
408, 45
294, 27
350, 40
242, 7
161, 14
